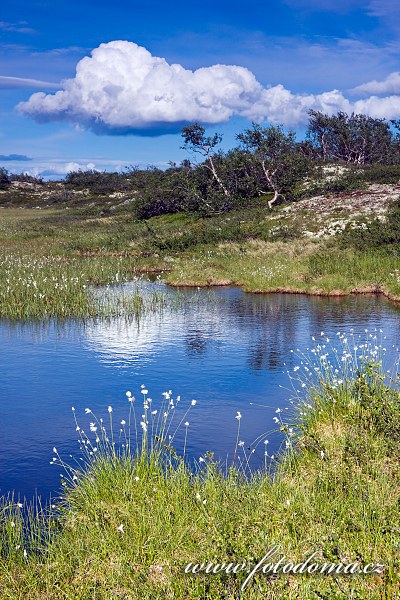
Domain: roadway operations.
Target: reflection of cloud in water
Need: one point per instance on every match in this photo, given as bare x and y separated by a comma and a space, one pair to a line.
263, 328
128, 340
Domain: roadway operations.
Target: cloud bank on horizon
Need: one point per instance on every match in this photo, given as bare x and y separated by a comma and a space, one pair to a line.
122, 88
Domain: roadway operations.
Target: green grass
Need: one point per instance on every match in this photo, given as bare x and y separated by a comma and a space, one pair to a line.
335, 491
55, 287
66, 251
294, 267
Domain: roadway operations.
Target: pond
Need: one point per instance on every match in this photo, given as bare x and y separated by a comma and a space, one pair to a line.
226, 349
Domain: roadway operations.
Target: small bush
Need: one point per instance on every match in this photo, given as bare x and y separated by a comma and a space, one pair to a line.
4, 179
377, 233
147, 206
26, 178
381, 173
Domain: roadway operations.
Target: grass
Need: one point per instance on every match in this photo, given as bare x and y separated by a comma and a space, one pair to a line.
130, 521
55, 287
68, 250
294, 267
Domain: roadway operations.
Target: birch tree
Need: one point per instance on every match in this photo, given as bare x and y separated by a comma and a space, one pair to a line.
277, 154
196, 141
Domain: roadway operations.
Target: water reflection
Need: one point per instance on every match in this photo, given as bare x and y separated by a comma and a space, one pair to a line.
227, 349
264, 327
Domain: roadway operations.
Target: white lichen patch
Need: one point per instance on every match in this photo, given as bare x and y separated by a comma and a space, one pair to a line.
321, 213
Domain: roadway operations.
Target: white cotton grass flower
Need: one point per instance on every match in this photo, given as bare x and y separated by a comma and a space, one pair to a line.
152, 430
120, 528
136, 478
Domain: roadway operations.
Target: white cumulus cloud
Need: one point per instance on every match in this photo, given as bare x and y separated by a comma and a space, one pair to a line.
279, 105
387, 107
122, 88
390, 85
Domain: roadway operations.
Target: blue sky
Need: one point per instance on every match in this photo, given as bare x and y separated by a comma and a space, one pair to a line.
292, 54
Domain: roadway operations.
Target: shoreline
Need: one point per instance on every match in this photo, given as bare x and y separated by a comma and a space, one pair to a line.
369, 290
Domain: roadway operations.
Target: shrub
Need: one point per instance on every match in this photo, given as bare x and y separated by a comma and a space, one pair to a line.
26, 178
381, 173
4, 179
377, 233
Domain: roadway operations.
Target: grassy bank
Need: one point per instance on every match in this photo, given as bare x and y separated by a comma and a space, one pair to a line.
50, 258
126, 527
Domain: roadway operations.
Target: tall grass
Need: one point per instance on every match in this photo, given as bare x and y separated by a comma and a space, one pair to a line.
54, 287
133, 513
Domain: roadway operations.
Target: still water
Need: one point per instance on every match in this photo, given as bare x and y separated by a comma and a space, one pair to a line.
226, 349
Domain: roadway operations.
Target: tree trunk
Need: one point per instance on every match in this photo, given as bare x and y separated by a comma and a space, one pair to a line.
269, 176
274, 199
215, 175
